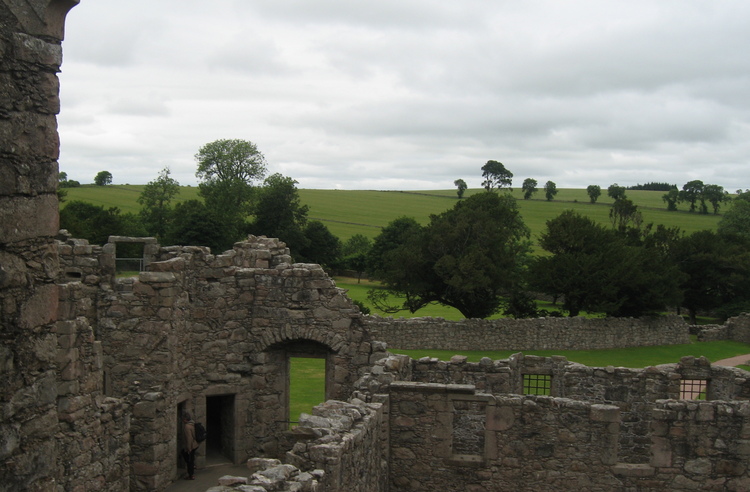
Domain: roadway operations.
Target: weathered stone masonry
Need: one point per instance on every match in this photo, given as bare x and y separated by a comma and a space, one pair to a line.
528, 334
95, 371
57, 430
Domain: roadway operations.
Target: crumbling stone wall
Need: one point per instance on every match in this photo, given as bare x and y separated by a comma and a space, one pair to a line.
198, 325
57, 432
528, 334
737, 329
528, 443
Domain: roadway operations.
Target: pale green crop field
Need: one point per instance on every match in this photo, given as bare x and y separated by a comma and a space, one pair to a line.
350, 212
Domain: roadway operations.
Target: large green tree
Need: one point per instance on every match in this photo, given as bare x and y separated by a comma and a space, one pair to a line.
616, 192
156, 203
382, 257
596, 269
468, 257
496, 176
715, 195
279, 213
594, 192
321, 246
716, 271
461, 187
229, 171
95, 223
103, 178
550, 190
354, 252
194, 224
736, 220
691, 192
529, 187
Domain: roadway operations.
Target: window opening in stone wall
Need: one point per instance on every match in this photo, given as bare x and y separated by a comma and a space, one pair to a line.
129, 259
693, 389
469, 424
537, 384
220, 428
307, 385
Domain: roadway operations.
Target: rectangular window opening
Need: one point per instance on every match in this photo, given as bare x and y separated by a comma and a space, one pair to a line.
537, 384
129, 259
307, 385
693, 389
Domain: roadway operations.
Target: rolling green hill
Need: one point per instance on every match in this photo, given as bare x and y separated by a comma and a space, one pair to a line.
349, 212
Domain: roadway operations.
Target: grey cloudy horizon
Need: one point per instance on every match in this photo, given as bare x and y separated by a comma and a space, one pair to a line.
411, 95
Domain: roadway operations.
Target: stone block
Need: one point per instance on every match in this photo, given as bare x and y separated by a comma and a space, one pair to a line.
500, 418
41, 308
605, 413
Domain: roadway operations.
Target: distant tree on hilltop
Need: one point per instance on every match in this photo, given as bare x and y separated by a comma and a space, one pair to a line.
103, 178
529, 188
460, 185
594, 192
496, 176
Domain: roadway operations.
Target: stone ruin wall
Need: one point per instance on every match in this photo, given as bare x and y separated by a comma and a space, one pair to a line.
528, 334
57, 430
60, 431
170, 307
456, 425
198, 325
737, 329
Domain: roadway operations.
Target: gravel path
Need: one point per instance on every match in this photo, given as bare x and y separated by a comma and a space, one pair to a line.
734, 361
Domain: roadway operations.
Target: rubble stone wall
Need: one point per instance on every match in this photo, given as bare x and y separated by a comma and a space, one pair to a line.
528, 334
737, 329
197, 326
57, 431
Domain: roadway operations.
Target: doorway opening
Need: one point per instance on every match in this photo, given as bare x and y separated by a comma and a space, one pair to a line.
220, 428
180, 437
307, 385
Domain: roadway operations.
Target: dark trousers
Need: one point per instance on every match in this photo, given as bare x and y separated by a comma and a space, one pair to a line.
189, 461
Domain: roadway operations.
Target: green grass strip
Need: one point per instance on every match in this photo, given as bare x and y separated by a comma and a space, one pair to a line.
635, 357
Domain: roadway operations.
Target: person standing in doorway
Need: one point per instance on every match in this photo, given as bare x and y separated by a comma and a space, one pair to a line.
188, 452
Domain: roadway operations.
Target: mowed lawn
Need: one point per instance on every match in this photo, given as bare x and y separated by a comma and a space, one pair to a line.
350, 212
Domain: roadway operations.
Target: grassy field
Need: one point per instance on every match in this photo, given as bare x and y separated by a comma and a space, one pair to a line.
636, 357
349, 212
306, 385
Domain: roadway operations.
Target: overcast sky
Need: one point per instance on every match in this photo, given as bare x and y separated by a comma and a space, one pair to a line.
412, 94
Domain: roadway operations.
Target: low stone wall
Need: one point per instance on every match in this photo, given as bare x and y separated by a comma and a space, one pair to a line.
342, 447
449, 437
737, 329
528, 334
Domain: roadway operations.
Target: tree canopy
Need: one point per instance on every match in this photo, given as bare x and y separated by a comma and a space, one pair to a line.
467, 257
461, 186
496, 176
103, 178
156, 199
594, 192
229, 171
529, 188
550, 190
602, 270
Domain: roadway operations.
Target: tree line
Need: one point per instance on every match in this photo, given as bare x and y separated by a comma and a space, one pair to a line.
696, 194
476, 258
238, 198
